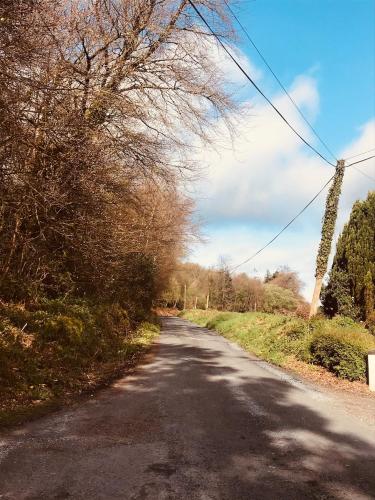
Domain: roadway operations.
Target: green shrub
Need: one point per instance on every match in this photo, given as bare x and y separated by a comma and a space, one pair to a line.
79, 309
112, 318
297, 336
295, 329
278, 299
61, 329
345, 322
342, 351
146, 328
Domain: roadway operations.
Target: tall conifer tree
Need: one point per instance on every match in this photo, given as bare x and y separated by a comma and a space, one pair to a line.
369, 296
353, 268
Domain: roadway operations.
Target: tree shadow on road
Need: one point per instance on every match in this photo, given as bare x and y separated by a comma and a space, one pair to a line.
197, 423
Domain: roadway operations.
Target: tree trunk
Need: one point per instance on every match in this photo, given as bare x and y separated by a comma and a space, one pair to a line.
328, 229
315, 300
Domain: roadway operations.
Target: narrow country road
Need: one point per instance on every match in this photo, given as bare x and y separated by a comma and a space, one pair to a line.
200, 420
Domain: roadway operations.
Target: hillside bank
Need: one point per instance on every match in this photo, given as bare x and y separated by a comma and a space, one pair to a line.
55, 350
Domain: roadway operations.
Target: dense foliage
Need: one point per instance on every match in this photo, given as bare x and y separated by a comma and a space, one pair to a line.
350, 289
340, 345
343, 351
329, 222
100, 102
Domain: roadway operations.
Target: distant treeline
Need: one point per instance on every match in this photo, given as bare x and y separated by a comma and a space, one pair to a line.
193, 286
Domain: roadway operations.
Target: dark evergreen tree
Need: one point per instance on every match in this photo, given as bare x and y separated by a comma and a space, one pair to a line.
336, 296
268, 277
369, 296
226, 291
347, 292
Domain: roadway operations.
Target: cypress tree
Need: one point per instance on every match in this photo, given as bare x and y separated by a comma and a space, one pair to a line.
369, 296
354, 259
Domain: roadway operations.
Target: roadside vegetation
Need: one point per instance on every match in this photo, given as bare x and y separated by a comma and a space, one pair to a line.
340, 345
54, 350
99, 104
351, 285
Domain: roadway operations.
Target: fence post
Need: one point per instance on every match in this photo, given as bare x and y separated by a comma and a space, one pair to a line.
371, 370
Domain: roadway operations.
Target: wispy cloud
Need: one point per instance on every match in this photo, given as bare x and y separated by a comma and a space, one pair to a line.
257, 181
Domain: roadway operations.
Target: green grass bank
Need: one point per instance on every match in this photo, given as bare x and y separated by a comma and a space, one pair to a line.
55, 350
340, 345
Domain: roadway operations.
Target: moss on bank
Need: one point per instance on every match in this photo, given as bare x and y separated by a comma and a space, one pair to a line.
53, 351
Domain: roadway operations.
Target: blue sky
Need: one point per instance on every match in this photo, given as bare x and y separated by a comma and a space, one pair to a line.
332, 39
324, 53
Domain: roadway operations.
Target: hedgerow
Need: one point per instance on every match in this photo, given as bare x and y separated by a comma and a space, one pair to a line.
342, 351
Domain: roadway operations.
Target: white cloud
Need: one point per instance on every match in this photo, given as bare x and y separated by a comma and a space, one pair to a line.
255, 184
247, 179
364, 142
230, 71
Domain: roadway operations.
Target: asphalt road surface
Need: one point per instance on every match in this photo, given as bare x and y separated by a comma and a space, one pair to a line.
200, 420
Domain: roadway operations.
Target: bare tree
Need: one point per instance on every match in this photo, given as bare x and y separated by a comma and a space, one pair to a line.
100, 100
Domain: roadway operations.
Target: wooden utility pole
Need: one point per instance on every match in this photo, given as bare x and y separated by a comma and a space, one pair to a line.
184, 296
207, 300
328, 229
195, 302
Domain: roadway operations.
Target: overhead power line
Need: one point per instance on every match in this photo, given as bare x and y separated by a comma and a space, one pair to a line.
255, 85
360, 161
284, 228
359, 154
278, 80
364, 173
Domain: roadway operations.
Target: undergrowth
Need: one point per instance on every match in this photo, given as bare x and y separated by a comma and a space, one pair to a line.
54, 350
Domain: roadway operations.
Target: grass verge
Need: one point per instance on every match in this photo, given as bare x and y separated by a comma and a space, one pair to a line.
339, 345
